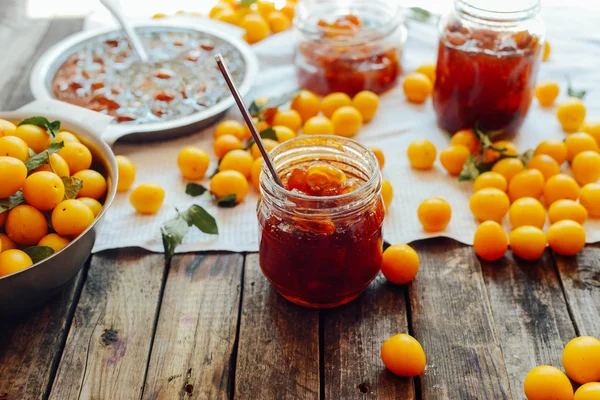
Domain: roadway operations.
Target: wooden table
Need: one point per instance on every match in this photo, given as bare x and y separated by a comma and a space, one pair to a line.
209, 326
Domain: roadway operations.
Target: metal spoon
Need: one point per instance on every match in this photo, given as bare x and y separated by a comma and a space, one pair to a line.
115, 9
247, 117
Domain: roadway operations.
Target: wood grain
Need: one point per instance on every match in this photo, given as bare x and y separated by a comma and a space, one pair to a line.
451, 318
107, 349
530, 314
353, 335
581, 282
30, 346
196, 328
278, 351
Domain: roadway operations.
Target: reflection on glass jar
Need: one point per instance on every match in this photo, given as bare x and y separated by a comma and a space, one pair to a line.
321, 241
488, 59
348, 46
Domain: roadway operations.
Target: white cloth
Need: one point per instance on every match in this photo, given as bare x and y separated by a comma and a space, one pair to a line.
575, 43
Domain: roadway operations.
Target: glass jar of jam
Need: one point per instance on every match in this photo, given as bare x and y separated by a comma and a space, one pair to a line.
320, 234
348, 46
488, 59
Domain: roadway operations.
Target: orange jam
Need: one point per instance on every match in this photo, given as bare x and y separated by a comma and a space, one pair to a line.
485, 74
341, 52
321, 242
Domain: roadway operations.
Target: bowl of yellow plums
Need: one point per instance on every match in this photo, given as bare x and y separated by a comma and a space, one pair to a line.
57, 179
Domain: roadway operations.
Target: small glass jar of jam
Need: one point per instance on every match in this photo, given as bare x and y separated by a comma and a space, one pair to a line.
348, 46
320, 234
488, 59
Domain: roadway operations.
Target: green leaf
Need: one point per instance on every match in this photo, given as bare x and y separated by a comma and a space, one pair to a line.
247, 3
42, 158
173, 232
11, 202
256, 109
228, 201
194, 189
52, 127
38, 253
31, 152
580, 94
216, 171
526, 157
268, 133
470, 170
201, 219
419, 14
72, 186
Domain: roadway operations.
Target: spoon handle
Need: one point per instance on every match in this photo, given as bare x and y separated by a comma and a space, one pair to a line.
115, 9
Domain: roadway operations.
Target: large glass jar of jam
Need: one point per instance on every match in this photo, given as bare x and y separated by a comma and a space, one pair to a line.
348, 46
320, 234
488, 59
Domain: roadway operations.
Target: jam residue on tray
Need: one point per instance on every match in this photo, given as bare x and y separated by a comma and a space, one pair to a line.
484, 77
105, 75
322, 260
348, 57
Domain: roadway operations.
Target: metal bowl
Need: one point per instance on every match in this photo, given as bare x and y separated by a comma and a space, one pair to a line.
45, 69
31, 287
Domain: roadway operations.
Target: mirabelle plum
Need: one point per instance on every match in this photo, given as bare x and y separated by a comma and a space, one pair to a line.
571, 113
546, 93
26, 225
581, 359
546, 382
489, 204
255, 26
219, 7
366, 102
94, 184
12, 175
56, 164
289, 118
490, 179
579, 142
333, 101
66, 137
278, 21
307, 104
36, 137
225, 143
12, 146
490, 242
400, 264
453, 158
421, 154
71, 217
77, 156
403, 355
527, 242
387, 192
566, 237
225, 183
504, 148
567, 209
193, 161
6, 243
283, 133
546, 53
255, 173
586, 167
508, 167
428, 70
589, 391
230, 127
560, 186
467, 138
318, 125
417, 87
237, 160
126, 173
56, 242
555, 148
379, 155
589, 197
527, 211
269, 144
93, 204
434, 214
527, 183
346, 121
545, 164
44, 190
7, 128
592, 128
12, 261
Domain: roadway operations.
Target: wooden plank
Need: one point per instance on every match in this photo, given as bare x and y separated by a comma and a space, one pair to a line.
20, 37
353, 335
278, 351
59, 28
581, 282
530, 314
107, 349
196, 329
30, 346
451, 318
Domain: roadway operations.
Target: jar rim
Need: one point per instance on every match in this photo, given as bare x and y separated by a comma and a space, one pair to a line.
522, 10
289, 144
394, 20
